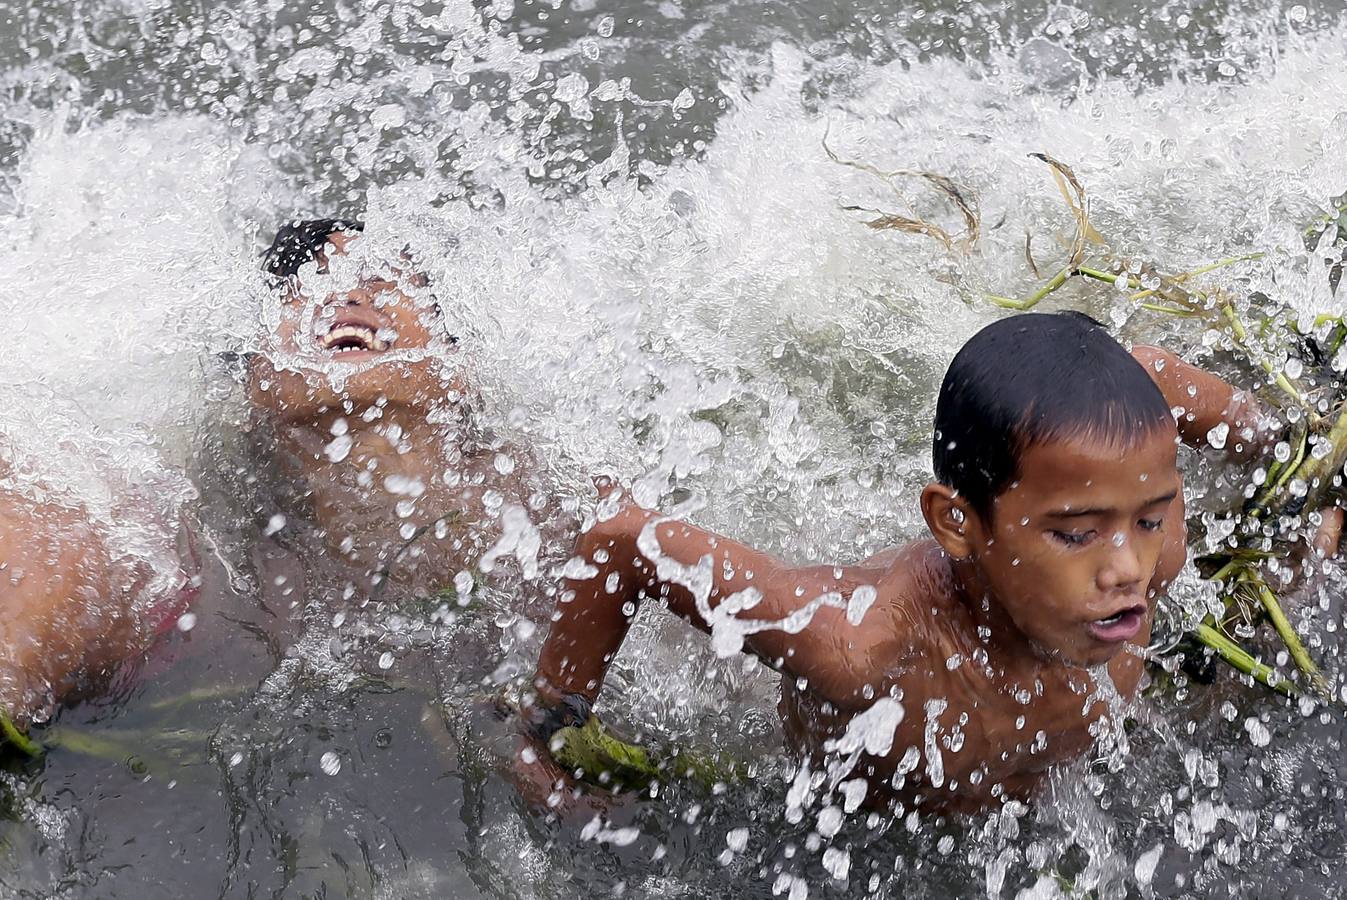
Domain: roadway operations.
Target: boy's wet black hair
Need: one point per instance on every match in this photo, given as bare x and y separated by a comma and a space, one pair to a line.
299, 241
1029, 379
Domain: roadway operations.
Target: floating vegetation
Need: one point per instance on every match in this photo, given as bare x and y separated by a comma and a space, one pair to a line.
592, 753
946, 186
16, 738
1305, 474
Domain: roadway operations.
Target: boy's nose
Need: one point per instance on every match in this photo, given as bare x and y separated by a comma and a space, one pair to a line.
1123, 568
356, 296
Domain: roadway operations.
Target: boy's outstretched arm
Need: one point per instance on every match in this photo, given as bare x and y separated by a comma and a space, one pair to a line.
1207, 402
705, 579
63, 617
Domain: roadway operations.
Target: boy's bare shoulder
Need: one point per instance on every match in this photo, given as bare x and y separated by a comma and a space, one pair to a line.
910, 574
896, 627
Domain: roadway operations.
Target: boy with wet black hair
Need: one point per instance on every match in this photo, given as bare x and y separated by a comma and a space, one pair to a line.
372, 415
953, 672
301, 241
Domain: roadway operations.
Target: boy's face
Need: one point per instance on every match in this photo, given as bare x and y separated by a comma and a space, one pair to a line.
361, 319
1073, 547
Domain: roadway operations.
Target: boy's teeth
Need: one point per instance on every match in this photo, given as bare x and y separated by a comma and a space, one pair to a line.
352, 337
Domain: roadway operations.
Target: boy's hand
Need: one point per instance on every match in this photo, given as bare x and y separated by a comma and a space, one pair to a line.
547, 788
1329, 533
542, 718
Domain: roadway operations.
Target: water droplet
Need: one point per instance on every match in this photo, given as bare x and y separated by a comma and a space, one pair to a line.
386, 660
1259, 735
330, 763
186, 622
737, 839
338, 448
1144, 870
274, 524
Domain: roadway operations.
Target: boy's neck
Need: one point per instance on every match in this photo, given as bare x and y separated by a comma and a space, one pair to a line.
394, 437
345, 457
993, 628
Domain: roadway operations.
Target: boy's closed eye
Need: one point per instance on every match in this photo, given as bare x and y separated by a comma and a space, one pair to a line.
1073, 538
1083, 537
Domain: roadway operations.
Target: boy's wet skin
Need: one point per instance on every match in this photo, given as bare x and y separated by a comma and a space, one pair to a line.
1001, 621
1074, 560
1056, 519
392, 450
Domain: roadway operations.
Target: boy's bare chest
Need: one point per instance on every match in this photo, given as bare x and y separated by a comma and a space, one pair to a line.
970, 734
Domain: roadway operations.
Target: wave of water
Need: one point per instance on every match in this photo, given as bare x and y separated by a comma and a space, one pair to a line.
662, 278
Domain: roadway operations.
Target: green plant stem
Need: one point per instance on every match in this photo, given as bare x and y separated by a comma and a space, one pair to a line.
201, 695
1242, 660
1241, 335
18, 738
1280, 475
1174, 311
1289, 636
130, 752
1107, 277
1202, 270
1317, 471
1029, 302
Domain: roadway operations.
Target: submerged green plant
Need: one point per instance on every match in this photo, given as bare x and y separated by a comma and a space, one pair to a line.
595, 755
18, 739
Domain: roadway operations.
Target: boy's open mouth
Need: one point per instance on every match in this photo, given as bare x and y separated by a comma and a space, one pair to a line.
1121, 626
350, 336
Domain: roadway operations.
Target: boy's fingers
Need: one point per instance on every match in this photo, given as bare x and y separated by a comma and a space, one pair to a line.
548, 788
1329, 533
541, 721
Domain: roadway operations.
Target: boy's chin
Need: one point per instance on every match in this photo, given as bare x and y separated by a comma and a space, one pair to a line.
1096, 656
1076, 655
298, 394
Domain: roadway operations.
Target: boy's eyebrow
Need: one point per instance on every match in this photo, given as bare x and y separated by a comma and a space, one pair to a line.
1100, 510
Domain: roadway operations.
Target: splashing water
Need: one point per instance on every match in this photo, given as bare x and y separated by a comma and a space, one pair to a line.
631, 224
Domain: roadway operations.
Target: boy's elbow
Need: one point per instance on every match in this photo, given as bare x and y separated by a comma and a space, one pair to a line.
613, 537
1153, 359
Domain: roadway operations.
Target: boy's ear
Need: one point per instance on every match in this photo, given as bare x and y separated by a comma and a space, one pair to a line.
947, 516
